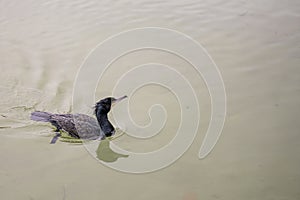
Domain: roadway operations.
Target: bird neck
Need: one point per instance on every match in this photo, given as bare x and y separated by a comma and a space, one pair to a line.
104, 123
101, 117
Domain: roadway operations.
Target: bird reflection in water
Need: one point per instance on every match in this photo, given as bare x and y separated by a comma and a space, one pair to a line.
106, 154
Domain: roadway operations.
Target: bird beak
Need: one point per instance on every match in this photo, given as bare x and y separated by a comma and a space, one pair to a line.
114, 101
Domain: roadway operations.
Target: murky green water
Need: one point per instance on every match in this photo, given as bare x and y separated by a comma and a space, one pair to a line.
256, 47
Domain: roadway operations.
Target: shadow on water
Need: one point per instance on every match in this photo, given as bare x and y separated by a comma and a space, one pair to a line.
106, 154
103, 151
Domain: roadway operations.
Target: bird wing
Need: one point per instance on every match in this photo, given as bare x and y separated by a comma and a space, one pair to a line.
79, 125
66, 122
87, 127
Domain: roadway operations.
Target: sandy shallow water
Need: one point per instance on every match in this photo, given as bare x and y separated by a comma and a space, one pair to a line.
255, 44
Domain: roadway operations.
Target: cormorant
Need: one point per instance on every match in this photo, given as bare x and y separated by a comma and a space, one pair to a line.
80, 125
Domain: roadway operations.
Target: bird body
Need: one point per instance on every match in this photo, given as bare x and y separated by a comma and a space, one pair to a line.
77, 125
80, 125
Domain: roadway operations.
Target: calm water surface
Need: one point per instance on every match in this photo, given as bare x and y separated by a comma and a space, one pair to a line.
256, 45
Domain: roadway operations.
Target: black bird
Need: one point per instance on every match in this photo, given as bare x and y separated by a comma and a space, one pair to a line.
81, 125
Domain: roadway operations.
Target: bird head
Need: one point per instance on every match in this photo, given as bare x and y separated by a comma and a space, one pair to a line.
104, 105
